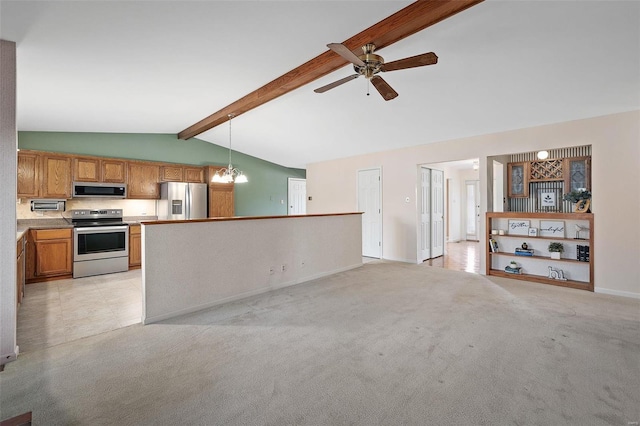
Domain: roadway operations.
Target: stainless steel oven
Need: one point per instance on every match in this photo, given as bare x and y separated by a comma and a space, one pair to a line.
101, 242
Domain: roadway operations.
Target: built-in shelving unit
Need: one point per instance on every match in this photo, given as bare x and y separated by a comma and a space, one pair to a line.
578, 273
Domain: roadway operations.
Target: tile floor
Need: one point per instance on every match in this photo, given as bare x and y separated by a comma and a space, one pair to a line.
55, 312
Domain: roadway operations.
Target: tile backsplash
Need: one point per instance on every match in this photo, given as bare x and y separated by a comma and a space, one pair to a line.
129, 207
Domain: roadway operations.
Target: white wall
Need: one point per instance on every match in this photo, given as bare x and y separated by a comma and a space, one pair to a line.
8, 177
615, 142
189, 266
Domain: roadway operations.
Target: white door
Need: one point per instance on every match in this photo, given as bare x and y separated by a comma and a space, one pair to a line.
369, 202
437, 213
297, 196
425, 213
472, 209
498, 187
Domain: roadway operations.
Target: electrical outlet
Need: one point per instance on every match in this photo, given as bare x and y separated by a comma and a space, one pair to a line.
302, 264
271, 270
284, 268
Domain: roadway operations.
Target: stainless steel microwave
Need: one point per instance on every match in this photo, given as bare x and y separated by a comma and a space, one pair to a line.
99, 190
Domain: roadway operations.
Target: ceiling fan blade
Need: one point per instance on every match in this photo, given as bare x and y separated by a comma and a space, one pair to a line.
383, 87
342, 50
336, 83
412, 62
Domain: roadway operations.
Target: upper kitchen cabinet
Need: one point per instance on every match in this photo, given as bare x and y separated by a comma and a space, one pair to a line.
113, 171
56, 176
86, 169
179, 173
518, 179
194, 174
143, 180
171, 173
28, 175
93, 169
43, 175
577, 173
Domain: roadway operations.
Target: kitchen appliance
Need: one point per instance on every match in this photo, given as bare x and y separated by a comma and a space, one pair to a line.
99, 190
182, 201
47, 205
100, 242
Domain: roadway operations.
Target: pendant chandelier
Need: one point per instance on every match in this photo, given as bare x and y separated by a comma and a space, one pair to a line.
229, 174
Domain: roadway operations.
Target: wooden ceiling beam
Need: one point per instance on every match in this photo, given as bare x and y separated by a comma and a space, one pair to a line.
410, 20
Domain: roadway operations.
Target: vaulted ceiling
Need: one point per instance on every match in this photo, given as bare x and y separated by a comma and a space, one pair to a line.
161, 66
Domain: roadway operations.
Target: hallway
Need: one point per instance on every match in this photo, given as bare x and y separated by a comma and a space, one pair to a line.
459, 256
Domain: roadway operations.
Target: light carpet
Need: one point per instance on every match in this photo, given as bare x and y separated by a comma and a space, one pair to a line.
384, 344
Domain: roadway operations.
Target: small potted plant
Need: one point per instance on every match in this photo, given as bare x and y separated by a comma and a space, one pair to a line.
581, 197
555, 249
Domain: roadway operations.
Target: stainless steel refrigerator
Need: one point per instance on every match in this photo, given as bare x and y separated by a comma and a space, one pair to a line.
182, 201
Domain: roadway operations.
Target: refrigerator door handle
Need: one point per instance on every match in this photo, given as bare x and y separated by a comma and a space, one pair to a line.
187, 195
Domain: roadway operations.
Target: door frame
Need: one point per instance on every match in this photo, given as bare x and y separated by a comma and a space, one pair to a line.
379, 168
445, 212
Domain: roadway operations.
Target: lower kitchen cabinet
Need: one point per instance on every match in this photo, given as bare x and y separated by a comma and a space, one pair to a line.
135, 246
20, 270
49, 254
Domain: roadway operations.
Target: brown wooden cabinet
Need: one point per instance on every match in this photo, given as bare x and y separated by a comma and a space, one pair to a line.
194, 174
518, 179
49, 254
92, 169
135, 246
86, 169
113, 171
577, 173
220, 195
143, 180
221, 200
20, 270
50, 175
28, 175
56, 176
171, 173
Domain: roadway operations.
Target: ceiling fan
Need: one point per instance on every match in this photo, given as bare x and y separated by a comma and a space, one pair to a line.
369, 65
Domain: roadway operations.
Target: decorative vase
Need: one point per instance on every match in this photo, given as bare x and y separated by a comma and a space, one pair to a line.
582, 206
555, 255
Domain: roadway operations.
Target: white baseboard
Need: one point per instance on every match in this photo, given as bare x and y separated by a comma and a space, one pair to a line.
617, 292
200, 307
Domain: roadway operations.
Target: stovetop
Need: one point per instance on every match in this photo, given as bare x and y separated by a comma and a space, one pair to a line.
101, 217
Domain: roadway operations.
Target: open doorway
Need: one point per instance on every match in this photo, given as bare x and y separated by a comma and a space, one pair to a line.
461, 247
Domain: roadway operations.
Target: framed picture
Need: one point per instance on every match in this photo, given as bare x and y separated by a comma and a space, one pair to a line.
549, 200
519, 227
552, 228
533, 232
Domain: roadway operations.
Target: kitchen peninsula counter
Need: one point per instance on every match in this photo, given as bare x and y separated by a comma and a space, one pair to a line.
190, 265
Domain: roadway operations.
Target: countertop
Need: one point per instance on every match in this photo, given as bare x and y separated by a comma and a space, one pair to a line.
23, 225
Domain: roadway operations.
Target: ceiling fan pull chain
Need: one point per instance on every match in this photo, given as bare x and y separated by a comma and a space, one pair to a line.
367, 87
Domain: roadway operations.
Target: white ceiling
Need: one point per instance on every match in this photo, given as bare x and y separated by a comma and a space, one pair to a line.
160, 66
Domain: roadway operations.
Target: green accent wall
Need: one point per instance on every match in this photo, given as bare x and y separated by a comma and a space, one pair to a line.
259, 197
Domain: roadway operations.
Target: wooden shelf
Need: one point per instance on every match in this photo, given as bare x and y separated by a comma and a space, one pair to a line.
583, 240
540, 279
587, 218
503, 253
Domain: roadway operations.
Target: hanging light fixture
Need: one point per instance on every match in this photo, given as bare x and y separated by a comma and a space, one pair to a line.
229, 174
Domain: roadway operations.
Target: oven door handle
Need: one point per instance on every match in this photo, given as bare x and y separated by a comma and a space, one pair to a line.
100, 229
